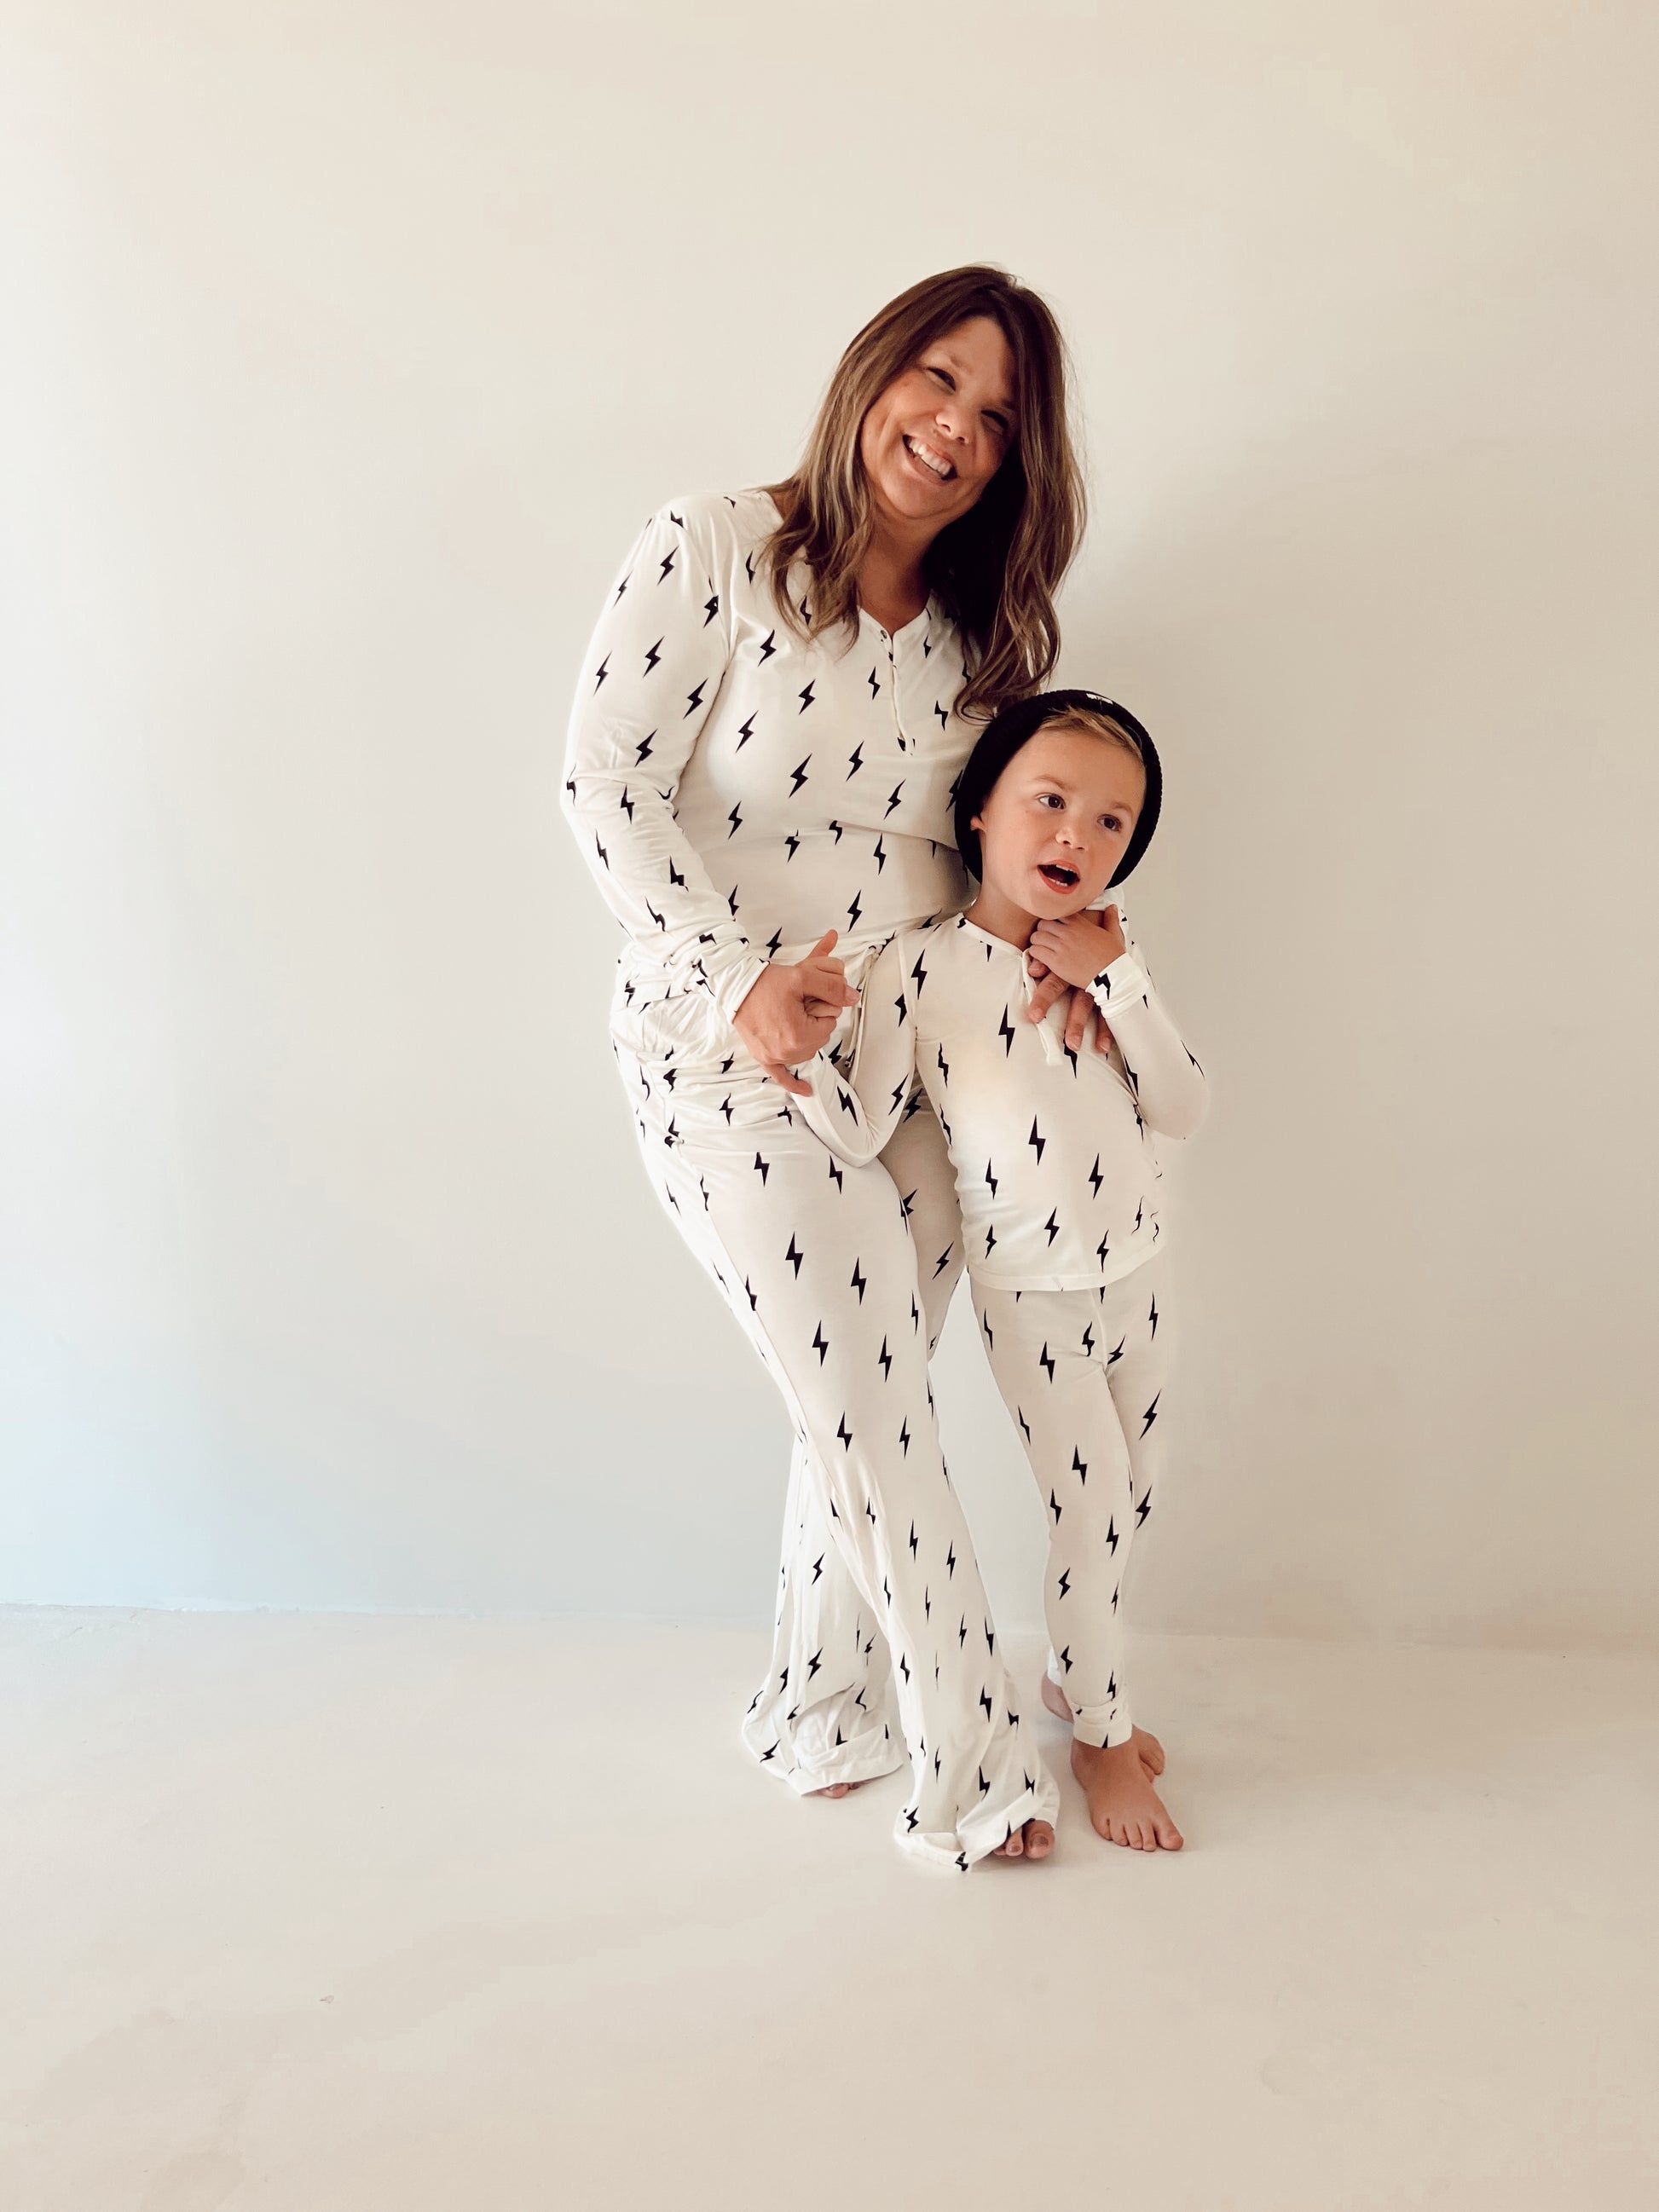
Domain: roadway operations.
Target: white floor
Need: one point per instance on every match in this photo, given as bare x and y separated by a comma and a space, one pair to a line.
318, 1913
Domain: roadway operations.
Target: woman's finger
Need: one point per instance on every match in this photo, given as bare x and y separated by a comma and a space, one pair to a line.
786, 1078
1044, 996
824, 978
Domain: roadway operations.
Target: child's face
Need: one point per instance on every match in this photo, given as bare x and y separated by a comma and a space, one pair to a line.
1058, 820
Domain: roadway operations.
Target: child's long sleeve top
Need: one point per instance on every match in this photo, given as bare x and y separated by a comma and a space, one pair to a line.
1057, 1169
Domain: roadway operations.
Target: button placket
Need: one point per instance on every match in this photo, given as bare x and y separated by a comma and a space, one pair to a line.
892, 691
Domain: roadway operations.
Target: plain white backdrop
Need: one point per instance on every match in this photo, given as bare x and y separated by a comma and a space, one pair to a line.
346, 347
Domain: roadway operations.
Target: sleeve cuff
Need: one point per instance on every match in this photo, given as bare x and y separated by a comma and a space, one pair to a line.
730, 983
1119, 983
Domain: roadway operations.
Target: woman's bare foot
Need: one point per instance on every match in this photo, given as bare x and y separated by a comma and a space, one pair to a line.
1123, 1805
1151, 1750
834, 1789
1034, 1840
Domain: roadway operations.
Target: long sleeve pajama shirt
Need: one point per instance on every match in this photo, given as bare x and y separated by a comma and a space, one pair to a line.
1056, 1173
736, 790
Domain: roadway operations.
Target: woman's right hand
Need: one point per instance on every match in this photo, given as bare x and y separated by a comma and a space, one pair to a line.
791, 1010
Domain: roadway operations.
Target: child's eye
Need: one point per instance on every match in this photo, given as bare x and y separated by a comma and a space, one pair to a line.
1110, 822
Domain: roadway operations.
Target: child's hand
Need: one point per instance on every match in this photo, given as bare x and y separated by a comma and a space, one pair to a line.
1077, 948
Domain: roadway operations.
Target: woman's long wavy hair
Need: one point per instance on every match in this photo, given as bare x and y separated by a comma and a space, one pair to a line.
997, 568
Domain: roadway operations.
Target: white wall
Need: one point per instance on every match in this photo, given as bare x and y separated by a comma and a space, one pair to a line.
346, 346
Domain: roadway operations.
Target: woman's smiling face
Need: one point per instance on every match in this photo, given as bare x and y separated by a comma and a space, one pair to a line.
935, 437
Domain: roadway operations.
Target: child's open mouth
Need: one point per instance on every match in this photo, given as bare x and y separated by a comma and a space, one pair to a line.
1057, 878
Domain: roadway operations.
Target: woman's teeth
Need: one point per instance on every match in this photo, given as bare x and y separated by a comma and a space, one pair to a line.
941, 469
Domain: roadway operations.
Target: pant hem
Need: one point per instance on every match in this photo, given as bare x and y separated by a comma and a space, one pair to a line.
804, 1780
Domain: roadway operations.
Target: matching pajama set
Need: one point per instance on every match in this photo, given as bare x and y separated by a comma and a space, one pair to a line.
1056, 1174
736, 792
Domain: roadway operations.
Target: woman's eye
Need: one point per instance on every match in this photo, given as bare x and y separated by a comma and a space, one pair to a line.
1049, 799
944, 376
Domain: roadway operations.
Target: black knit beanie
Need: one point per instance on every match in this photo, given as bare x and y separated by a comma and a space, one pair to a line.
1015, 725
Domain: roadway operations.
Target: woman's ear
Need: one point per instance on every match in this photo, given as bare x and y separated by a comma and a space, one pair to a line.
977, 821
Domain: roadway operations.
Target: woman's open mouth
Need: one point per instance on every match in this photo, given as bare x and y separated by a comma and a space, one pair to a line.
1057, 878
932, 464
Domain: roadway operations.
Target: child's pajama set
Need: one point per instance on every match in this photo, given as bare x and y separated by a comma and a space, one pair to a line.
1057, 1175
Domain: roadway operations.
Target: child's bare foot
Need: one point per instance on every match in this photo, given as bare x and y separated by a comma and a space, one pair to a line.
833, 1790
1123, 1805
1151, 1750
1033, 1841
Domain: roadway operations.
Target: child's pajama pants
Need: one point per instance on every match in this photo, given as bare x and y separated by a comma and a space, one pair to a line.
1083, 1373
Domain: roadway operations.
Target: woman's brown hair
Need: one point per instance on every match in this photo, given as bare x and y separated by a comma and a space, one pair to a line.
995, 568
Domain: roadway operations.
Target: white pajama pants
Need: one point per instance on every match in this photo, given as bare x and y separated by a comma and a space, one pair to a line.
1083, 1373
840, 1277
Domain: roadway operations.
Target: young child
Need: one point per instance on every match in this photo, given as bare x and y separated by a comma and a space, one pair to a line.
1056, 1171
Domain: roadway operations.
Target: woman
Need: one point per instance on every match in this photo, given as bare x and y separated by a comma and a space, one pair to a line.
776, 704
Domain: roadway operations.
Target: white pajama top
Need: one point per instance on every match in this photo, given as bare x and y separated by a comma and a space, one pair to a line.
1055, 1167
739, 790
